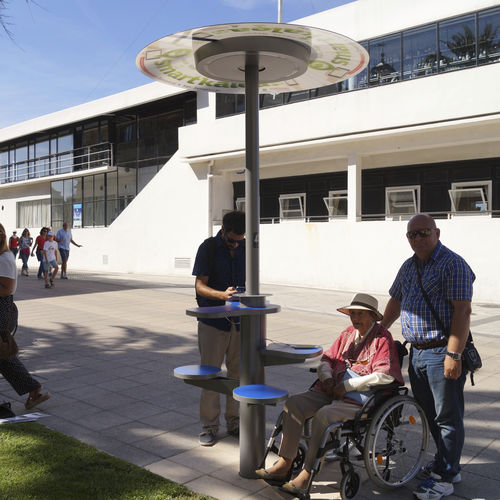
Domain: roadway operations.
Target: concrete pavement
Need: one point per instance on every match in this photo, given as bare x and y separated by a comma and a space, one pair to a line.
106, 347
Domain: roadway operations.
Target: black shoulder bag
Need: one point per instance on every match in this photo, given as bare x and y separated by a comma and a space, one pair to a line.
471, 360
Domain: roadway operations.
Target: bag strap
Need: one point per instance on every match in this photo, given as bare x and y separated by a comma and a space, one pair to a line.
426, 297
435, 314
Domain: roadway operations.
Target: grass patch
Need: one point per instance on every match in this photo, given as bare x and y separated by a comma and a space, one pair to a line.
37, 463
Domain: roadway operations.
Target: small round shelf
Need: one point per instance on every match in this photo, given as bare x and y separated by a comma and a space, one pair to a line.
259, 394
197, 372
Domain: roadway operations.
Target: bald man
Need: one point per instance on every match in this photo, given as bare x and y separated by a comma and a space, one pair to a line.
436, 374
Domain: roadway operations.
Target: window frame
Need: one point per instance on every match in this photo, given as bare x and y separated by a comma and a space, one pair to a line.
472, 186
290, 196
240, 203
338, 194
415, 189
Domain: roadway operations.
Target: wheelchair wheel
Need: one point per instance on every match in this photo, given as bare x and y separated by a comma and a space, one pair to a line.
298, 461
395, 442
349, 485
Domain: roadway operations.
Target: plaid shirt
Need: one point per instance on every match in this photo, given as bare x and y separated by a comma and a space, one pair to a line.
445, 277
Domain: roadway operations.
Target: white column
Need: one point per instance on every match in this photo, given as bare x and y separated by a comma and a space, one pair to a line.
353, 189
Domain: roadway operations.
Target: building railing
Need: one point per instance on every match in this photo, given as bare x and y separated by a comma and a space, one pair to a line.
84, 158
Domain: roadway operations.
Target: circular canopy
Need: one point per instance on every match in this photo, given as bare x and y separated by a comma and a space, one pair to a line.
290, 57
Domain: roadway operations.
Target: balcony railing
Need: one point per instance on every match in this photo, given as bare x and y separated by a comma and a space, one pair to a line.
85, 158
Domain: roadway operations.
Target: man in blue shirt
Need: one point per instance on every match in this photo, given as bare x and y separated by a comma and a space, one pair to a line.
435, 370
220, 268
64, 238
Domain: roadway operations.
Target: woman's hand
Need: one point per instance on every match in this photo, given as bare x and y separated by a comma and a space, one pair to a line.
339, 391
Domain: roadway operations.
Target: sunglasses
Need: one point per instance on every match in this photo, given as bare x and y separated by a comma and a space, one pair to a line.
232, 241
423, 233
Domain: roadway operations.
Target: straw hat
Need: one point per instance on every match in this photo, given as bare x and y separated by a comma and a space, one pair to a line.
362, 301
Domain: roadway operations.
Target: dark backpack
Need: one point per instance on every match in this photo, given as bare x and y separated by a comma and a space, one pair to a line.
211, 247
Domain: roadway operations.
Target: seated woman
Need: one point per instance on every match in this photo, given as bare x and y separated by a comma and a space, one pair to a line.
366, 348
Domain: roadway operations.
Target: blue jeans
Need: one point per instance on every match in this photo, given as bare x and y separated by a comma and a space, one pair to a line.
24, 258
442, 400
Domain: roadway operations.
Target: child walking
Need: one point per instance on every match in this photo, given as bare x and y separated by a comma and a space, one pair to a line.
50, 259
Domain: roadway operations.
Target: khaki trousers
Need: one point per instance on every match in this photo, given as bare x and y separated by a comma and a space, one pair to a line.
305, 405
215, 345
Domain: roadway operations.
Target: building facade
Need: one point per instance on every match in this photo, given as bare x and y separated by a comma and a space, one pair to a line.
145, 175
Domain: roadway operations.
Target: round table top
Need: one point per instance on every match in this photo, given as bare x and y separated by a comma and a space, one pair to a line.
290, 57
259, 394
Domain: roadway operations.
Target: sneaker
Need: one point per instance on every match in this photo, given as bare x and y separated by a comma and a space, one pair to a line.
51, 283
207, 438
427, 472
47, 285
432, 489
64, 277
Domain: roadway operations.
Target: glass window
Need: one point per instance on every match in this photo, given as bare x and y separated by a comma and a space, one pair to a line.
33, 213
292, 206
359, 81
56, 192
385, 59
471, 197
68, 191
457, 43
65, 143
229, 104
145, 174
301, 95
42, 148
111, 185
336, 204
402, 201
99, 187
240, 204
270, 100
77, 189
149, 128
88, 201
127, 181
99, 211
112, 211
489, 36
90, 134
419, 52
4, 156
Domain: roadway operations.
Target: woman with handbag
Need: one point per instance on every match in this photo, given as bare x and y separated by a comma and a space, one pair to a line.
24, 253
11, 367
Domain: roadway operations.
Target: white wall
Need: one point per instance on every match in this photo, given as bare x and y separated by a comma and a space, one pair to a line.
365, 256
163, 222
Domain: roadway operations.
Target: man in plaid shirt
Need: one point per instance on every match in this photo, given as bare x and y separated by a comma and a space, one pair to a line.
435, 369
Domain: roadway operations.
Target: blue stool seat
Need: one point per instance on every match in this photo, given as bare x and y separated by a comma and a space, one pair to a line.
259, 394
197, 372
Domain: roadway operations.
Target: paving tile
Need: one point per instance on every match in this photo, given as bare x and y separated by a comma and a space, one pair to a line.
217, 488
175, 472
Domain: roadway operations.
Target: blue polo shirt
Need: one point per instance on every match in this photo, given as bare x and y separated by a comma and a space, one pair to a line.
227, 271
445, 277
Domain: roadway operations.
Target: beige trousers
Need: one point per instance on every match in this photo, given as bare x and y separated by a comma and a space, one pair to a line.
305, 405
215, 345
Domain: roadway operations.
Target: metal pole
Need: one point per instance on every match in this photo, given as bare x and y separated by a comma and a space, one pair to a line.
280, 11
252, 207
253, 328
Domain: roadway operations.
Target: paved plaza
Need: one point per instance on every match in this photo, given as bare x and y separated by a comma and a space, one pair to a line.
106, 347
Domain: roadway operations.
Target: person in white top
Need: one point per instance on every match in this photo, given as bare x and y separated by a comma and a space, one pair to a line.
50, 259
64, 238
12, 369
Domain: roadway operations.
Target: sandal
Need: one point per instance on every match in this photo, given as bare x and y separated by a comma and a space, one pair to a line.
31, 402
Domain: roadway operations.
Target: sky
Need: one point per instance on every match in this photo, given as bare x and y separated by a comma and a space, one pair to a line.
67, 52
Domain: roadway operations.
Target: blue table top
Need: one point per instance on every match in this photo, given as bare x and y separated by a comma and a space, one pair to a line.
197, 371
231, 309
260, 393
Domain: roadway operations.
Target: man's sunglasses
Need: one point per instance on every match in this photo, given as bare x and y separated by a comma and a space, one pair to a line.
423, 233
232, 242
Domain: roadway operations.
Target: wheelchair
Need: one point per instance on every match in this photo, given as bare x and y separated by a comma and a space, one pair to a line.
389, 433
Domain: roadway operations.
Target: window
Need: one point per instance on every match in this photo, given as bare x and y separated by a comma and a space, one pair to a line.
336, 204
240, 204
419, 52
489, 36
470, 197
457, 43
33, 213
292, 206
402, 200
385, 59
